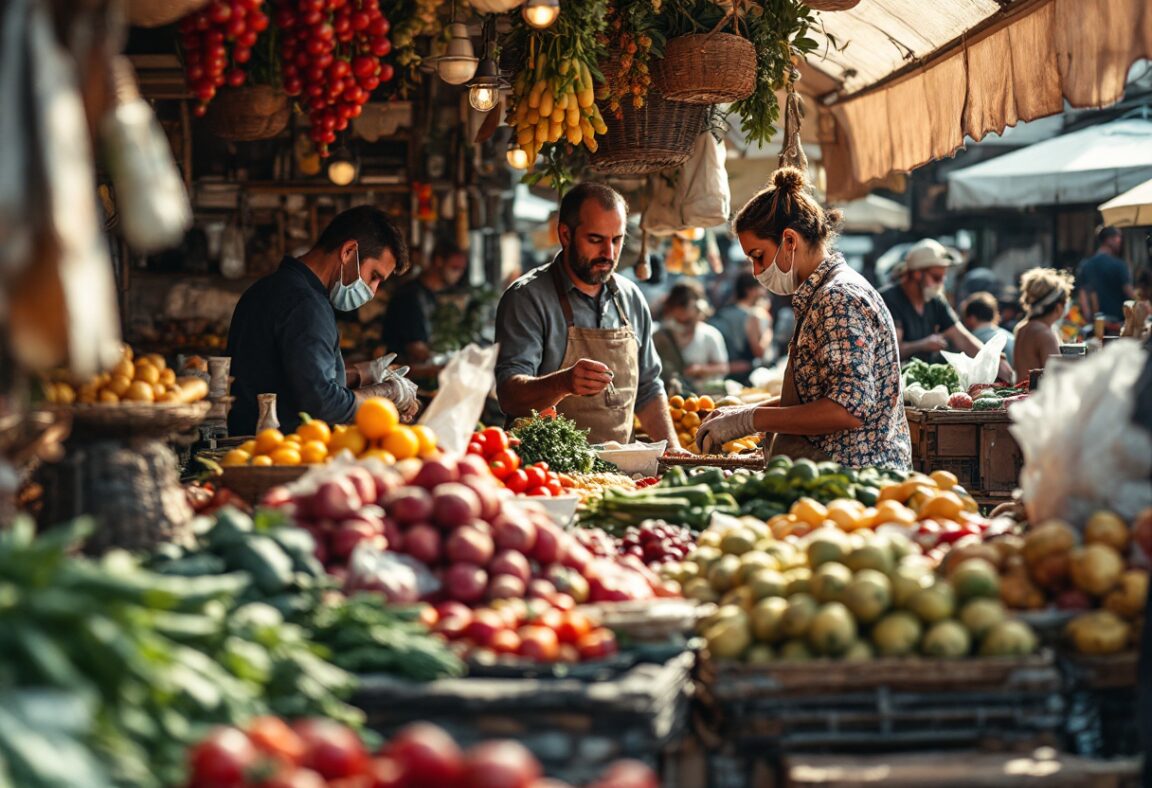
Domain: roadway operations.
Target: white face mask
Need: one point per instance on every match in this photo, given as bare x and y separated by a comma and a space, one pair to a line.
777, 281
348, 298
931, 291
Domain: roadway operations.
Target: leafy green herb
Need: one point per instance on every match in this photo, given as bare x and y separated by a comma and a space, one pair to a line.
554, 440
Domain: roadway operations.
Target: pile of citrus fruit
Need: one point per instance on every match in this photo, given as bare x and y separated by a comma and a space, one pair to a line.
377, 433
134, 379
687, 414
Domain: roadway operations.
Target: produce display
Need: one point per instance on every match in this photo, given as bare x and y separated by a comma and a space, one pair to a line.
849, 596
918, 372
981, 396
1087, 573
689, 412
589, 486
270, 752
135, 379
499, 450
219, 35
377, 434
557, 441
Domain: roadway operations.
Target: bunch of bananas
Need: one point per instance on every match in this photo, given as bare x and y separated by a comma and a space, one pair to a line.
550, 104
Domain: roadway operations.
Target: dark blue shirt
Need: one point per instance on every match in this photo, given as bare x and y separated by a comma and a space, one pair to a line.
1106, 276
284, 340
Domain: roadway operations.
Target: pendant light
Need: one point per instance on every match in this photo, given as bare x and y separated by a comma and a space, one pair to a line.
342, 167
458, 63
484, 89
541, 13
516, 156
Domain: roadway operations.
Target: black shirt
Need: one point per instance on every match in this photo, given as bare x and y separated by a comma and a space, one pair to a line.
409, 316
283, 340
937, 318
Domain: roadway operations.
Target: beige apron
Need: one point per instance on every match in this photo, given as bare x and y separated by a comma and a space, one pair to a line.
795, 446
607, 415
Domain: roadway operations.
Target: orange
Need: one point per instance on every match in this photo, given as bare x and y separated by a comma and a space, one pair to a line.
167, 377
146, 372
947, 505
262, 459
247, 446
267, 440
676, 401
314, 430
294, 438
236, 457
313, 452
139, 391
402, 443
706, 403
377, 417
810, 511
427, 439
676, 413
892, 511
945, 480
691, 404
285, 455
691, 419
108, 397
345, 437
379, 454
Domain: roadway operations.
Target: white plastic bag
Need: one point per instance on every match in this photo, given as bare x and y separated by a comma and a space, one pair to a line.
1082, 452
400, 578
464, 385
984, 367
696, 195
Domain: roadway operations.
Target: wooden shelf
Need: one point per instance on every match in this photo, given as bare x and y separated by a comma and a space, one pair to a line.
282, 188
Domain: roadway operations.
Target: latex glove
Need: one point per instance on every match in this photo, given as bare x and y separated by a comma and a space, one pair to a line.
725, 424
401, 391
374, 371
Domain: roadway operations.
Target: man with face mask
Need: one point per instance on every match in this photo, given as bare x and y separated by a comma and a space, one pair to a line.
578, 338
283, 338
925, 321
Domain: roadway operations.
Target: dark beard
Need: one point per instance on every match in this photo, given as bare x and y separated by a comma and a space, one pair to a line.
582, 268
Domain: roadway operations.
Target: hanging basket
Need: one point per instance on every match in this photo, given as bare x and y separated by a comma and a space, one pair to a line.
155, 13
655, 137
254, 112
707, 68
831, 5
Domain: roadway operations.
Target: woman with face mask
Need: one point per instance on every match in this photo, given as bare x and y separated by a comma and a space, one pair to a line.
1044, 296
284, 340
689, 348
841, 397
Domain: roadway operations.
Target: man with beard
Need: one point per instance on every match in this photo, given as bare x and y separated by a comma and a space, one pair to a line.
575, 337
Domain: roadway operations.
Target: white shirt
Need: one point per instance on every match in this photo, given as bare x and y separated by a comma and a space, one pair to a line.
706, 347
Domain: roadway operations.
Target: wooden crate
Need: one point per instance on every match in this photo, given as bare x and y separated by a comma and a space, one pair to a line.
974, 445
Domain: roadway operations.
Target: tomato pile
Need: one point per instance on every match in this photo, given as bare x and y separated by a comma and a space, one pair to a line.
320, 753
532, 630
498, 449
204, 39
330, 54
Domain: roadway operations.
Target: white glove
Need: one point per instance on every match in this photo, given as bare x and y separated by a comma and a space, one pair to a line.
725, 424
374, 371
401, 391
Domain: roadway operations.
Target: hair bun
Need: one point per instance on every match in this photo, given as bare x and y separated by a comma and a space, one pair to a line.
789, 179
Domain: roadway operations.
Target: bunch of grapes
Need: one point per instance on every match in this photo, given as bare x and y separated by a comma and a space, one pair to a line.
657, 542
597, 541
330, 53
205, 39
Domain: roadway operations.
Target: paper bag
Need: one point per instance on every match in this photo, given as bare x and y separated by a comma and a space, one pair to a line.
464, 385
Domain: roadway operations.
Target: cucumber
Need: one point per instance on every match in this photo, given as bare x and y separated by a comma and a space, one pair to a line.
261, 557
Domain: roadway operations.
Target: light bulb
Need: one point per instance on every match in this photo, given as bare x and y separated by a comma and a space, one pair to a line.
517, 157
541, 13
483, 97
341, 172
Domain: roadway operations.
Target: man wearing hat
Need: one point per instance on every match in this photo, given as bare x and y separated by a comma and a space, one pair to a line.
925, 321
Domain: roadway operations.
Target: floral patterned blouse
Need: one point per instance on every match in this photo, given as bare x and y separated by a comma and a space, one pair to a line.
845, 350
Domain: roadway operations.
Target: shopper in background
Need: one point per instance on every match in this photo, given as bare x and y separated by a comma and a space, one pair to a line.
284, 340
925, 321
841, 395
981, 316
746, 325
408, 323
1105, 279
977, 278
1045, 295
689, 348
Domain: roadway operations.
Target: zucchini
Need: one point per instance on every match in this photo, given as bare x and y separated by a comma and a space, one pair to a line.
261, 557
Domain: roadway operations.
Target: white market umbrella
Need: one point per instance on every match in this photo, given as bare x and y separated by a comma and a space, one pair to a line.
874, 214
1133, 208
1086, 166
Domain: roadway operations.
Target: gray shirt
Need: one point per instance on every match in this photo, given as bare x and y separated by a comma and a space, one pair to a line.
533, 336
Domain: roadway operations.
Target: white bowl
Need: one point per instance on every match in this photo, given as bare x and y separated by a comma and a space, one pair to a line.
642, 458
561, 508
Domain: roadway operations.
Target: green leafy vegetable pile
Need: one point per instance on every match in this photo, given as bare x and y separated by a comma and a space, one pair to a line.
931, 375
557, 441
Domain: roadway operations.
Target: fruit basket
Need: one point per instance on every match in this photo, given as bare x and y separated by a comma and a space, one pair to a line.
133, 420
648, 620
251, 482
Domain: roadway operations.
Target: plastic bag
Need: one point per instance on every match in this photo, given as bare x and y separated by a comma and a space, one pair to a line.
1082, 452
464, 385
984, 367
695, 196
400, 578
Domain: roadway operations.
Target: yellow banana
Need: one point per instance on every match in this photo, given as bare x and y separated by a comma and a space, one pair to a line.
546, 102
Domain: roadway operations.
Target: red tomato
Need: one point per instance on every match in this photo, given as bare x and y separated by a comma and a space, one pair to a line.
517, 481
537, 477
510, 458
551, 618
500, 469
475, 447
296, 778
540, 492
539, 643
597, 644
493, 439
426, 755
505, 642
222, 759
573, 626
333, 749
555, 487
273, 736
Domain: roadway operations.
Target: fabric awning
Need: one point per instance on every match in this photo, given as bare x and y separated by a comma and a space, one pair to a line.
1133, 208
874, 214
1086, 166
919, 77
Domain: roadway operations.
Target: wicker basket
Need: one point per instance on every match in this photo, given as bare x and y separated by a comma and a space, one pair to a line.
655, 137
251, 482
155, 13
254, 112
134, 420
831, 5
707, 68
